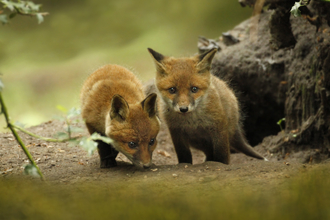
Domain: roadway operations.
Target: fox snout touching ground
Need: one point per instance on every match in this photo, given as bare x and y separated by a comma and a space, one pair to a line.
200, 110
113, 105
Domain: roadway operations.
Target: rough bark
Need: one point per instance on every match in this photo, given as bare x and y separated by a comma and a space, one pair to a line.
290, 82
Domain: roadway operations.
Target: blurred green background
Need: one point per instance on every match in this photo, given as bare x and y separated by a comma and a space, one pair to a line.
44, 65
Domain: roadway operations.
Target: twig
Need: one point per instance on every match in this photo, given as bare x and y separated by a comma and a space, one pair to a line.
11, 127
31, 14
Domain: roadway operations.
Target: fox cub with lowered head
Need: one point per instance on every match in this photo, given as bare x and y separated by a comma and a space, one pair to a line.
113, 104
200, 110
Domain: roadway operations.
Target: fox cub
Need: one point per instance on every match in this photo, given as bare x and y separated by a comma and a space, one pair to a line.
200, 110
113, 105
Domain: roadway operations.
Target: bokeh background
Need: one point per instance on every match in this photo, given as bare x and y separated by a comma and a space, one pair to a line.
44, 65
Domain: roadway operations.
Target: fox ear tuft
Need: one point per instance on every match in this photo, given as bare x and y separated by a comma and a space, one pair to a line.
149, 105
158, 58
119, 108
205, 60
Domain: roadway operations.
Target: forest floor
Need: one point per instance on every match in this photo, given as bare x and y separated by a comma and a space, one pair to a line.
69, 171
289, 186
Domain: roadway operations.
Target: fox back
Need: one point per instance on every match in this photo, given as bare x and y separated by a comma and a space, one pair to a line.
113, 105
200, 110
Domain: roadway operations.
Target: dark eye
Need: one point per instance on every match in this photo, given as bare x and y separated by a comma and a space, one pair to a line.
152, 141
172, 90
194, 89
132, 144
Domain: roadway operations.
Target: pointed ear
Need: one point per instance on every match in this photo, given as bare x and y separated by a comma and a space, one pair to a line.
149, 104
205, 60
158, 58
119, 108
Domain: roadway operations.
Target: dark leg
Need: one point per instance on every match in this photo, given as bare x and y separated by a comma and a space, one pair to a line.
181, 147
204, 144
221, 148
107, 155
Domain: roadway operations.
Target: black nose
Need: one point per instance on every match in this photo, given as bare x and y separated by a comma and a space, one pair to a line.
183, 109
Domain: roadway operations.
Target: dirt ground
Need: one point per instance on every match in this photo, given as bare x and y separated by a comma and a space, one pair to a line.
65, 164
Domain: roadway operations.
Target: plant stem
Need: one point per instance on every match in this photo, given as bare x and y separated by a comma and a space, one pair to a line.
42, 138
18, 139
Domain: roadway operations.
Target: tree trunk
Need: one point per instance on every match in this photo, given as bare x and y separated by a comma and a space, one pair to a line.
291, 81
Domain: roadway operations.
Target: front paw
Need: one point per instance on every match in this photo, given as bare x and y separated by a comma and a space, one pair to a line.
108, 163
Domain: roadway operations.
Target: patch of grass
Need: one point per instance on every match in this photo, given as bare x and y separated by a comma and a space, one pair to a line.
304, 197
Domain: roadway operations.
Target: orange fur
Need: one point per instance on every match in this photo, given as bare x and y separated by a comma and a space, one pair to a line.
201, 111
113, 105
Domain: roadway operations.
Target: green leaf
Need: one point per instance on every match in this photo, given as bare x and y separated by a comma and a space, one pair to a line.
61, 135
95, 136
61, 108
40, 18
3, 19
32, 6
88, 145
280, 121
31, 170
8, 4
295, 9
73, 112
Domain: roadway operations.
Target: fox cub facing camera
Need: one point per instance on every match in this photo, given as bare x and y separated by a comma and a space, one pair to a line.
200, 110
113, 105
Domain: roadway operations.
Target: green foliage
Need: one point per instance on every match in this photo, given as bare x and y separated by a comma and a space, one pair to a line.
31, 170
21, 8
70, 117
295, 9
280, 123
3, 19
87, 143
